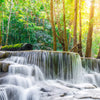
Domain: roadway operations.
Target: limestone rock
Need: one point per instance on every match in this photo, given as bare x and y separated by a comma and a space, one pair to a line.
3, 54
4, 66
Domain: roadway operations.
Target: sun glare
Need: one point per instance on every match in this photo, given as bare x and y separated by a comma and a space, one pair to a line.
88, 2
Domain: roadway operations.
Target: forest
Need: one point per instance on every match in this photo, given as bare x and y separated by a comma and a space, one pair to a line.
62, 25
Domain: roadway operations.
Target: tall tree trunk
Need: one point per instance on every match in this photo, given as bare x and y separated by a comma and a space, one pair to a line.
9, 22
27, 26
2, 39
0, 34
53, 26
65, 36
90, 31
80, 32
75, 26
98, 57
0, 25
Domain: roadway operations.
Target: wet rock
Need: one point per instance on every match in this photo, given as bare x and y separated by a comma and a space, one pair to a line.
26, 46
44, 90
3, 54
99, 64
4, 66
2, 74
63, 95
49, 95
88, 94
3, 80
85, 86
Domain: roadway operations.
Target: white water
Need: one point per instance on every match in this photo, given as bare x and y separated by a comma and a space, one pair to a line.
35, 77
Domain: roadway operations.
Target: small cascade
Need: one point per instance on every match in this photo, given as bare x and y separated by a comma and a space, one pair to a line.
3, 95
38, 74
18, 60
21, 69
78, 70
92, 67
93, 78
91, 64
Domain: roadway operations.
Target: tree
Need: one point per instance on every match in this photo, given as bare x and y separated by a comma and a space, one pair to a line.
90, 31
80, 31
1, 1
53, 25
65, 36
0, 31
98, 53
11, 5
75, 26
60, 33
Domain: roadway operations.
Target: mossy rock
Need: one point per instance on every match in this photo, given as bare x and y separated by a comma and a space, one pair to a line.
26, 46
17, 47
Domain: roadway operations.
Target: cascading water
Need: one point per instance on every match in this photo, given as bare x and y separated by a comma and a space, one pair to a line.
44, 75
54, 65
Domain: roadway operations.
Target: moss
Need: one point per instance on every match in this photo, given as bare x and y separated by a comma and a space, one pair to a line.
18, 45
12, 47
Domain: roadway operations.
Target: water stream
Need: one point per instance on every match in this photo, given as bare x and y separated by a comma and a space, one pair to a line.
41, 75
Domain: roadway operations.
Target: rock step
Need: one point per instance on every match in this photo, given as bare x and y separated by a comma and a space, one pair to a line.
4, 66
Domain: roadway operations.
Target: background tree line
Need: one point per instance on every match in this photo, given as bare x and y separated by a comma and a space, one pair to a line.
69, 25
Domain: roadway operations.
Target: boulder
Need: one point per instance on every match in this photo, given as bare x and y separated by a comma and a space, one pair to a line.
3, 54
26, 46
4, 66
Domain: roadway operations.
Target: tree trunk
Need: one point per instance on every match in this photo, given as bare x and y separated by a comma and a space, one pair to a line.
9, 22
53, 26
80, 32
65, 36
0, 34
90, 31
98, 57
0, 27
27, 26
75, 26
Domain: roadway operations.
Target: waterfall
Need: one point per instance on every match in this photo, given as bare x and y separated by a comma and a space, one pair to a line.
54, 65
43, 75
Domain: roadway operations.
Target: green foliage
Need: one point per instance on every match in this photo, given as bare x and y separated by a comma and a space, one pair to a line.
1, 1
42, 41
29, 23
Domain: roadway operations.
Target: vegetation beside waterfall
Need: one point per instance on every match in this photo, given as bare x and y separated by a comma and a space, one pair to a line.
62, 25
